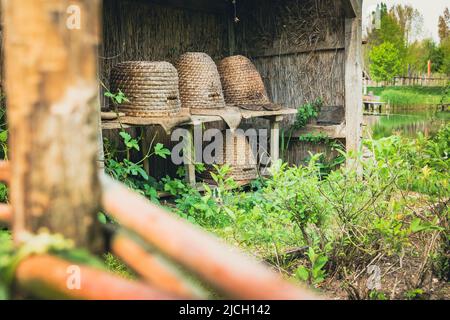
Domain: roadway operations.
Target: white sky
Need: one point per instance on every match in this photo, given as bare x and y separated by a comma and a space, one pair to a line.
430, 9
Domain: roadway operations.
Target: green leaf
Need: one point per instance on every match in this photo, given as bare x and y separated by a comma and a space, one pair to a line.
4, 136
302, 273
125, 135
102, 218
320, 262
161, 151
130, 143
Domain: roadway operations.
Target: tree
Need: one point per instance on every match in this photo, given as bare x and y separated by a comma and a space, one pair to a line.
416, 57
433, 53
444, 25
385, 62
390, 30
445, 48
410, 21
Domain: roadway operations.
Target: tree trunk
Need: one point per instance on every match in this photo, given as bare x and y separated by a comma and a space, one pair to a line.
52, 89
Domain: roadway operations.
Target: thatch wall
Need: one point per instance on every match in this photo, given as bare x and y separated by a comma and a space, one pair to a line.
142, 30
299, 48
297, 45
149, 30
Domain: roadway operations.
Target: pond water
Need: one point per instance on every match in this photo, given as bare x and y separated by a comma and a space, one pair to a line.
406, 121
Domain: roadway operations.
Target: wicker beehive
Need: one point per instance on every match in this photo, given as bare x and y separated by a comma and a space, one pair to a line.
200, 86
243, 85
151, 88
238, 154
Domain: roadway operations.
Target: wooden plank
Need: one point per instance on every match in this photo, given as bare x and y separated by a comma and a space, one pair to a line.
189, 155
47, 277
5, 171
331, 115
211, 6
333, 131
353, 83
274, 141
52, 89
352, 8
277, 52
248, 114
114, 125
153, 268
5, 214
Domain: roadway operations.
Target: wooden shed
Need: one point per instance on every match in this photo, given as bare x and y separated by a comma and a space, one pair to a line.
304, 49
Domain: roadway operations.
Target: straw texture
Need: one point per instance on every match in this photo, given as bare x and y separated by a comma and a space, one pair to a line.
200, 86
151, 88
243, 85
238, 154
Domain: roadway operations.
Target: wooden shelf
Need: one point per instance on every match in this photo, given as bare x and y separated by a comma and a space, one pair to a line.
332, 131
199, 119
193, 121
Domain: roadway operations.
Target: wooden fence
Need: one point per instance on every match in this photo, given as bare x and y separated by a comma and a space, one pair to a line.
422, 81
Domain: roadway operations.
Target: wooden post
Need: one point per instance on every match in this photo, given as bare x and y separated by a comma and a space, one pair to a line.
275, 139
189, 153
52, 89
1, 54
353, 82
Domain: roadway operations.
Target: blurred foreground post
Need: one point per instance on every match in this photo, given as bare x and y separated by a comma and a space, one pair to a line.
51, 84
353, 80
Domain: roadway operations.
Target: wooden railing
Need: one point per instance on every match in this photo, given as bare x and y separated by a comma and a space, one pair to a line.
422, 81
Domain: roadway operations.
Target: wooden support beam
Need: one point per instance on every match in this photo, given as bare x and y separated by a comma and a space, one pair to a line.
5, 214
275, 139
211, 6
219, 265
352, 8
5, 171
189, 153
158, 273
50, 277
52, 89
353, 83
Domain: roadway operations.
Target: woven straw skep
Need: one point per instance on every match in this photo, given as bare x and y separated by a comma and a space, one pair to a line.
200, 86
151, 88
236, 152
243, 85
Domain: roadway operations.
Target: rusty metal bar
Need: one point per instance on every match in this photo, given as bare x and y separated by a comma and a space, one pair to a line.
5, 171
53, 278
222, 266
5, 214
151, 268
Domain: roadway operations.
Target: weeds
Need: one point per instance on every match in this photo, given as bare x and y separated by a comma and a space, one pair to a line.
413, 95
346, 220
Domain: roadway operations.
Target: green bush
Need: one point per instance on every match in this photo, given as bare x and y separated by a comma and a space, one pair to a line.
385, 62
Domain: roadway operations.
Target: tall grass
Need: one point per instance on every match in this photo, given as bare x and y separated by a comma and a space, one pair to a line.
412, 96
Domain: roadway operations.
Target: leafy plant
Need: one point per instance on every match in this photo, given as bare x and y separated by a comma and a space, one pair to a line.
133, 173
385, 62
118, 97
414, 294
161, 151
377, 295
315, 273
307, 112
304, 114
130, 143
